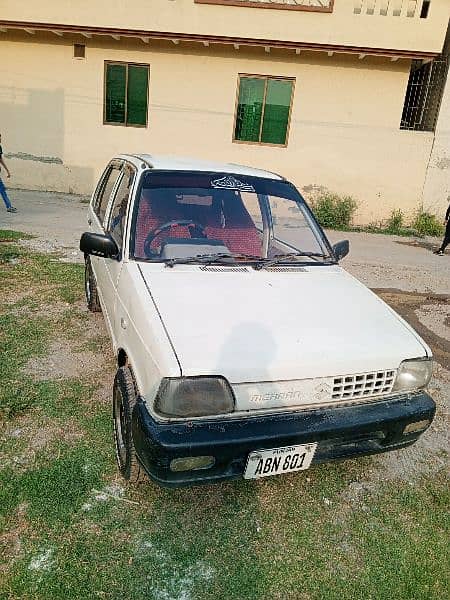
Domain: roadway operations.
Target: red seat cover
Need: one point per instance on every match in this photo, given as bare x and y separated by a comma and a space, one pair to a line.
157, 207
225, 219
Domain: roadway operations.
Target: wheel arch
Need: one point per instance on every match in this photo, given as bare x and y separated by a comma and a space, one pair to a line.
122, 358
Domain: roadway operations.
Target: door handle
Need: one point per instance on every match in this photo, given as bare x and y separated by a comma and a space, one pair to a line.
123, 323
89, 221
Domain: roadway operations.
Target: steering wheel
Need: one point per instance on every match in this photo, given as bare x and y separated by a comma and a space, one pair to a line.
195, 230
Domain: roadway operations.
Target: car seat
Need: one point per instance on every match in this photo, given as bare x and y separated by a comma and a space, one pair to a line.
157, 207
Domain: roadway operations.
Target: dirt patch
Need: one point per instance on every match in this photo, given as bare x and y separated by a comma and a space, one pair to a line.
63, 362
436, 318
35, 437
45, 246
427, 245
51, 310
15, 296
427, 314
430, 453
11, 540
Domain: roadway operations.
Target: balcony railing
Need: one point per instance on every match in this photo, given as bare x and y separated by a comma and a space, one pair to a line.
393, 8
310, 5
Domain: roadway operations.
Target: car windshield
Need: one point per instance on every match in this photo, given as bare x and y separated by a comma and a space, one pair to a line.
186, 216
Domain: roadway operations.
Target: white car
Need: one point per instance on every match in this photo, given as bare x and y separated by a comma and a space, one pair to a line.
243, 348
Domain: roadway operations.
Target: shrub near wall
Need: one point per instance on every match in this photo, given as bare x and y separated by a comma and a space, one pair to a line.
334, 212
427, 224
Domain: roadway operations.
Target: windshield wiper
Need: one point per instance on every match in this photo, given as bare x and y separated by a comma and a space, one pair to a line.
268, 262
207, 259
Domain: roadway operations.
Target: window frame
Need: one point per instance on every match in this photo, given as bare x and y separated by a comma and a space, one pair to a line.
266, 78
264, 206
133, 172
126, 64
100, 190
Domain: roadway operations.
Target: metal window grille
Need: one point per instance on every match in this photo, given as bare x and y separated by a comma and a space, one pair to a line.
424, 94
394, 8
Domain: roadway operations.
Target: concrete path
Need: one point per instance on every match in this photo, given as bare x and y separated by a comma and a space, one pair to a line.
404, 263
58, 220
380, 261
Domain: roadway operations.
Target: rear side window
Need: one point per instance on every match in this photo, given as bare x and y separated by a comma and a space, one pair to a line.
106, 187
117, 219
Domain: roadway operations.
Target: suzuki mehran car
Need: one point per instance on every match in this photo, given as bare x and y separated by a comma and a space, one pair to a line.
243, 348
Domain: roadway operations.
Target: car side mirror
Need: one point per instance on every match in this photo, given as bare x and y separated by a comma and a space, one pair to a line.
341, 249
98, 244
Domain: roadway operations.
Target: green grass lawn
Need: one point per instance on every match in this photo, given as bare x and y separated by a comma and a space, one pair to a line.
71, 528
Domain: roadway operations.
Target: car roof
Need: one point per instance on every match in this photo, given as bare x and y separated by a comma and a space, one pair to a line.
178, 163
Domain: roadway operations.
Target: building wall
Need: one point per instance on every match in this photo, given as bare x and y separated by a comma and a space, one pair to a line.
344, 131
341, 27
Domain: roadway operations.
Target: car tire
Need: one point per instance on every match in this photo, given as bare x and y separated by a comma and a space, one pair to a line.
90, 287
124, 399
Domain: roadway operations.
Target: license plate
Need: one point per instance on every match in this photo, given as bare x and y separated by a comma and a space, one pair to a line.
264, 463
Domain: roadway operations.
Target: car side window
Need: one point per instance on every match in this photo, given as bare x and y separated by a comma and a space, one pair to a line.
117, 218
106, 188
251, 203
291, 226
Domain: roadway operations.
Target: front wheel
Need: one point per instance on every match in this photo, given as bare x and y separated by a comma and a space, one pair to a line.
124, 399
90, 287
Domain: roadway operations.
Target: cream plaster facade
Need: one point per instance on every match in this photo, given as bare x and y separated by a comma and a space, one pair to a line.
341, 27
436, 194
344, 132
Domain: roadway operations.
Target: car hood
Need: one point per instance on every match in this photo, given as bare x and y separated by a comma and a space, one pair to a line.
275, 325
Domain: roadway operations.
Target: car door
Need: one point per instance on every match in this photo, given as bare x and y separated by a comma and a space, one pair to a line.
116, 228
97, 219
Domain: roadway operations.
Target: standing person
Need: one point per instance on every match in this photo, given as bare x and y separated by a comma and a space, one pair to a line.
446, 240
3, 193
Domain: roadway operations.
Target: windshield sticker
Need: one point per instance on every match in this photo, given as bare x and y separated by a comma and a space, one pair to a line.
231, 183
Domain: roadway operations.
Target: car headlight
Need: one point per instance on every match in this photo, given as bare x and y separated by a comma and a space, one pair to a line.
413, 374
194, 397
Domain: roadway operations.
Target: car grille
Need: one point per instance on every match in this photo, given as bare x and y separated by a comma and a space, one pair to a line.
363, 385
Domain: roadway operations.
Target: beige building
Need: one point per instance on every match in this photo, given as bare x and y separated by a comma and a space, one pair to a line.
337, 94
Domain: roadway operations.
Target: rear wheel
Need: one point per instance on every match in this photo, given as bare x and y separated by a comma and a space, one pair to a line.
90, 287
124, 399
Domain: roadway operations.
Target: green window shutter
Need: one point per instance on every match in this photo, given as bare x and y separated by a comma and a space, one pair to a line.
116, 76
276, 111
137, 94
249, 110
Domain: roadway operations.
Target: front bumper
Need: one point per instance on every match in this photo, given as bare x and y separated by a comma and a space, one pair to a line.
341, 432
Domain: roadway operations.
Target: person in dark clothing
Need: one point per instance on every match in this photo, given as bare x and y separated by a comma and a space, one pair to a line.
446, 240
3, 193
